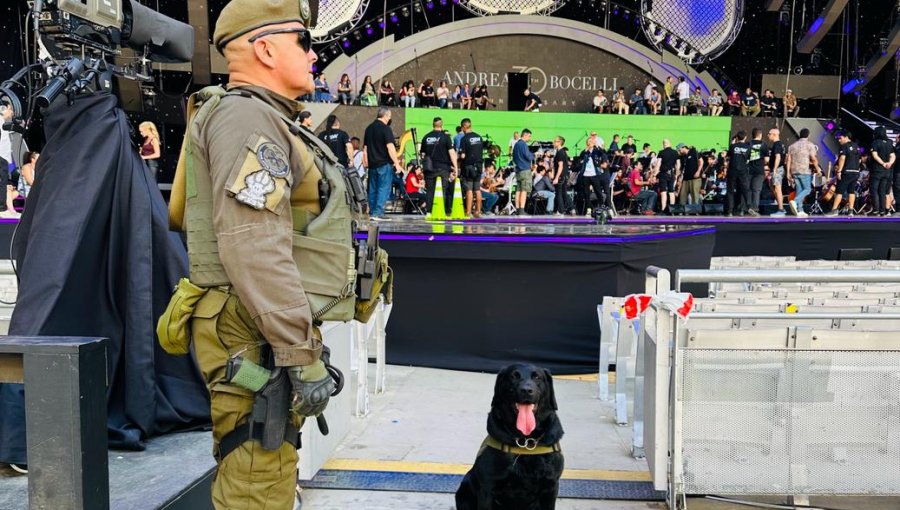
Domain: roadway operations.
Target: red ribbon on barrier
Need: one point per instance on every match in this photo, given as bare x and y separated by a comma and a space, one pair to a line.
680, 303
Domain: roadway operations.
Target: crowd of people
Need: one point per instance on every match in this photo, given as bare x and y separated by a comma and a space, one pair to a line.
675, 97
427, 94
757, 174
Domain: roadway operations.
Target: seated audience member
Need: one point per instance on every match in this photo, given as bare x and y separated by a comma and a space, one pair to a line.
465, 97
415, 187
655, 101
636, 102
620, 189
620, 101
455, 96
768, 104
734, 103
600, 102
323, 91
791, 108
345, 90
426, 93
750, 104
386, 94
544, 187
367, 96
408, 94
481, 98
715, 103
489, 187
443, 94
695, 103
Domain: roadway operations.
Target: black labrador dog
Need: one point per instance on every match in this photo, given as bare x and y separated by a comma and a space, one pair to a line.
519, 465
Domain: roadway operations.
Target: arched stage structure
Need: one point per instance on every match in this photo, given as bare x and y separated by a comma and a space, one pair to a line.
381, 58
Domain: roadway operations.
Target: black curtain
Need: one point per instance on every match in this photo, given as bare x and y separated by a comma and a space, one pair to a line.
95, 258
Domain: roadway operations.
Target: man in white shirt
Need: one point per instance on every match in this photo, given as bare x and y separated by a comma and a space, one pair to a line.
684, 95
648, 91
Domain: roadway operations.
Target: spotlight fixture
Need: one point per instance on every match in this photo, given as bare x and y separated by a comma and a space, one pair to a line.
405, 12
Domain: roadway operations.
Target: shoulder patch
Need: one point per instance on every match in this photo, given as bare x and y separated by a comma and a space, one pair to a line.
259, 185
273, 159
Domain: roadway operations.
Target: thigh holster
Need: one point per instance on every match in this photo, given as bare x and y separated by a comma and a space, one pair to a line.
270, 421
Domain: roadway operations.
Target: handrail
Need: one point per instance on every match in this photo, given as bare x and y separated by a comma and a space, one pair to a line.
792, 275
795, 316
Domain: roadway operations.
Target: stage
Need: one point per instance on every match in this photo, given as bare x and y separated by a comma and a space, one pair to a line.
476, 294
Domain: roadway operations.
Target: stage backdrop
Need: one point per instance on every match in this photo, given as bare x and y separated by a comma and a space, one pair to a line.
701, 132
564, 73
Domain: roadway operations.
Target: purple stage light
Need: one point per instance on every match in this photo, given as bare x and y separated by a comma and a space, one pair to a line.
345, 44
370, 30
429, 5
381, 24
394, 18
830, 126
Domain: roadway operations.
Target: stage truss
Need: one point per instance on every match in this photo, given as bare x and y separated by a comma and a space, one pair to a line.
695, 29
492, 7
337, 17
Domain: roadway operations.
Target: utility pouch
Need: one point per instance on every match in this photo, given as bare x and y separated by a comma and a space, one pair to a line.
172, 327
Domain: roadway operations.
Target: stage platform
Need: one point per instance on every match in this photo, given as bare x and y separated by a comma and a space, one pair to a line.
475, 295
174, 473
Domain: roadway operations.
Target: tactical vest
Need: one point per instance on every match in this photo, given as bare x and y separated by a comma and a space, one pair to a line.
323, 243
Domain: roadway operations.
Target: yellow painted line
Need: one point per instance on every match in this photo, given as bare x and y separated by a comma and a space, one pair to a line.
584, 377
397, 466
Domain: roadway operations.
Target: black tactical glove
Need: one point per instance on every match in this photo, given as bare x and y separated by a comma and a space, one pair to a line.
313, 386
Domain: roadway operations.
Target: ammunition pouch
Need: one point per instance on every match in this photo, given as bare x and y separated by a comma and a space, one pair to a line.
173, 327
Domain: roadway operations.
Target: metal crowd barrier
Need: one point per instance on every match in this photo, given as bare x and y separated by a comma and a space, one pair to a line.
768, 403
362, 334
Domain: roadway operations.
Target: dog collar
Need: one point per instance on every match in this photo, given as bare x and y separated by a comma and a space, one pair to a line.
527, 446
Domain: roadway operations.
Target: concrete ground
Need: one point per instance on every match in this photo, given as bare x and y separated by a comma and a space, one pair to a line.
438, 417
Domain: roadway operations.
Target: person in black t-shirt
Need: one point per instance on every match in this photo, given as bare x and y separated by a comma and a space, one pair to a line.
738, 177
691, 171
750, 104
629, 148
847, 171
883, 159
759, 154
560, 177
337, 140
439, 160
776, 169
471, 158
669, 165
379, 156
532, 101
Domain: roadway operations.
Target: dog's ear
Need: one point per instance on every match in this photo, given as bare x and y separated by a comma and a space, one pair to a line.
550, 393
498, 386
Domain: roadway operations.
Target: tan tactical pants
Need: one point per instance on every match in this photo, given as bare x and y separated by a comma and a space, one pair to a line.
250, 477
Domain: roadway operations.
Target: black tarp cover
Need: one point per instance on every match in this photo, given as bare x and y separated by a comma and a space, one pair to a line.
95, 258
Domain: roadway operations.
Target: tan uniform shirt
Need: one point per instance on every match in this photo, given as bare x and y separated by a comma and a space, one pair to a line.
256, 166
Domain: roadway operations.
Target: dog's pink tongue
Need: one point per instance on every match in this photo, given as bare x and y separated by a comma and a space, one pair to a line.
525, 421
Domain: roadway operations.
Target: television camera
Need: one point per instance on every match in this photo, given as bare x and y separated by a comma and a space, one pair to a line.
82, 39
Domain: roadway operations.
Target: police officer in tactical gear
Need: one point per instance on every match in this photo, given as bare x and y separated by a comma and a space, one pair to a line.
254, 177
471, 157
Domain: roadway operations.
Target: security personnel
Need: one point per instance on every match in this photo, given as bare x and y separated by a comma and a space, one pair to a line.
252, 175
471, 157
439, 160
338, 140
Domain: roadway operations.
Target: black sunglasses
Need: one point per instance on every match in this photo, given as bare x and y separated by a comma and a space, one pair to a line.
304, 38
